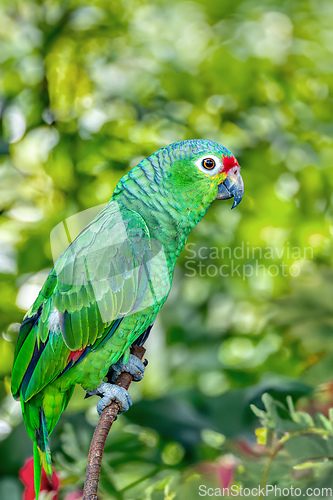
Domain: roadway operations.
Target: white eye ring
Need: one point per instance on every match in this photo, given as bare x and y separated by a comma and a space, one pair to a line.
210, 171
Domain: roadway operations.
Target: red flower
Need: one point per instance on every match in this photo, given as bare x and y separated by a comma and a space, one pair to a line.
253, 449
224, 468
27, 477
74, 495
226, 471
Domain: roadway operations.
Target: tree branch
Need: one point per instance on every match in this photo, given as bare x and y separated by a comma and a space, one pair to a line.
103, 427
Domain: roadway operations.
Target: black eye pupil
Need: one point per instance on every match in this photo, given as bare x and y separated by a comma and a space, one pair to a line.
208, 163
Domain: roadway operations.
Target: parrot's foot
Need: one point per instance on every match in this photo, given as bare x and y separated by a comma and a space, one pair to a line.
134, 366
109, 393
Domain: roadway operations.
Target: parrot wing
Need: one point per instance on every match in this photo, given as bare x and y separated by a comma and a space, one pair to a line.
111, 270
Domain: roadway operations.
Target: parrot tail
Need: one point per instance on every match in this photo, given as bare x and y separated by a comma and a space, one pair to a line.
36, 424
41, 453
39, 427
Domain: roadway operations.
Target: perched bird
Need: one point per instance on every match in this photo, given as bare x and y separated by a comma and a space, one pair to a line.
106, 288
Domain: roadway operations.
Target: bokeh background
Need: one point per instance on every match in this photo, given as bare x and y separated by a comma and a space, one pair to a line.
88, 89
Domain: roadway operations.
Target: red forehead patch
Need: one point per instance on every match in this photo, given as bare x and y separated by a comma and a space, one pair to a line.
229, 162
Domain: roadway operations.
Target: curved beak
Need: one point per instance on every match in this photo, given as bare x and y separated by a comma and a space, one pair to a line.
231, 187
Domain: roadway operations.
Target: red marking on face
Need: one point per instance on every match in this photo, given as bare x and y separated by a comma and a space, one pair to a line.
74, 355
229, 162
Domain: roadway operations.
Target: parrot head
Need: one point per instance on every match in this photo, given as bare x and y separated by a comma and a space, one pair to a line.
199, 171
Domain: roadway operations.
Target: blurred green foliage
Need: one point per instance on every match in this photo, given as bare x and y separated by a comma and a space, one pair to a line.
87, 89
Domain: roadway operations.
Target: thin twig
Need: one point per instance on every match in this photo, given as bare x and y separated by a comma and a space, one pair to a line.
108, 416
279, 445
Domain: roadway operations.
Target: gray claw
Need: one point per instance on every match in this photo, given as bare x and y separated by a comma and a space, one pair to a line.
134, 366
109, 393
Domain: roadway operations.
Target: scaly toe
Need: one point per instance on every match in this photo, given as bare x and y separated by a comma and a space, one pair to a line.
109, 393
134, 366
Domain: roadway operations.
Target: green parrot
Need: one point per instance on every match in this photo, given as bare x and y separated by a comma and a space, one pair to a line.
106, 288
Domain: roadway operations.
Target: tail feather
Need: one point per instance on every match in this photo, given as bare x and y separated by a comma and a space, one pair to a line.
43, 444
36, 424
39, 428
37, 469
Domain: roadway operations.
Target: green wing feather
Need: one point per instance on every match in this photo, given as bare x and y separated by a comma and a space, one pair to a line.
96, 281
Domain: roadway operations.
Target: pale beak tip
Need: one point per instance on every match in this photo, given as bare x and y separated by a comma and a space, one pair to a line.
231, 187
237, 201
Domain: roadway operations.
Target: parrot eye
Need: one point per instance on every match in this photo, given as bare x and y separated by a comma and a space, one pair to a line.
208, 163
